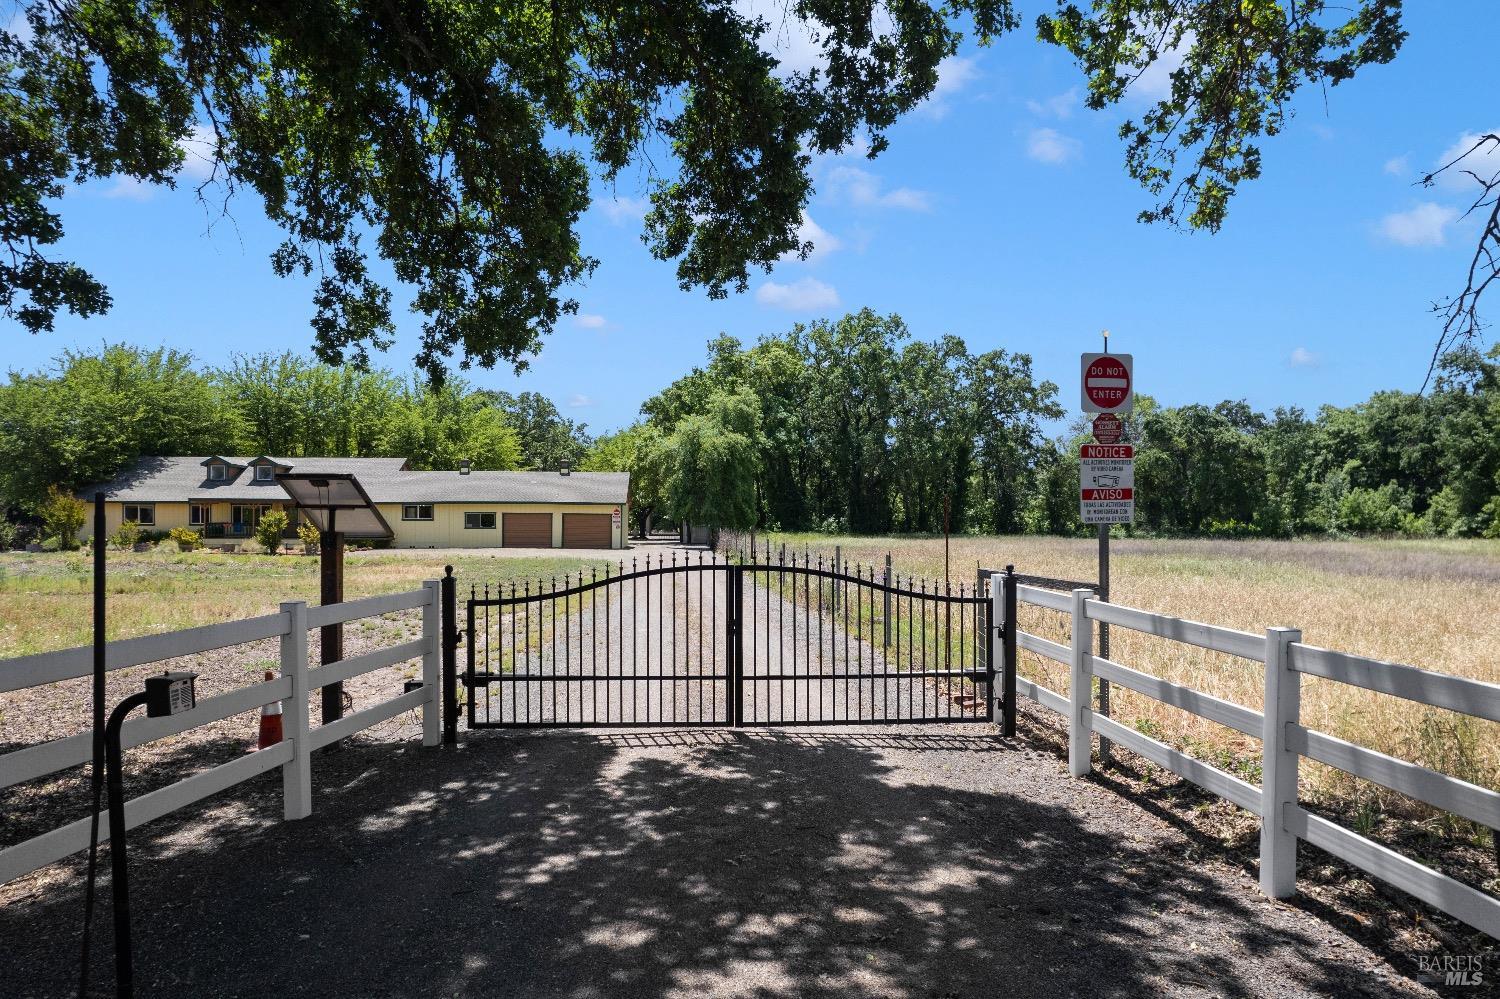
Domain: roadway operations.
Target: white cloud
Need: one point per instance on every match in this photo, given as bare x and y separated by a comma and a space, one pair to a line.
1303, 358
198, 153
579, 401
590, 321
1047, 145
1057, 106
620, 209
823, 242
1484, 161
1155, 81
129, 188
860, 187
806, 295
1398, 166
1420, 226
954, 74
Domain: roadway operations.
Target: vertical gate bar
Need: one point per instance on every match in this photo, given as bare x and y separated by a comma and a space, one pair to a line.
661, 639
450, 656
526, 628
489, 668
675, 719
989, 654
806, 631
609, 623
948, 633
820, 640
846, 642
1012, 626
713, 596
552, 671
700, 682
886, 613
635, 624
469, 661
738, 673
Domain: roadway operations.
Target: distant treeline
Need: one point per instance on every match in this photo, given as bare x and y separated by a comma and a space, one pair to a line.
92, 415
847, 425
854, 426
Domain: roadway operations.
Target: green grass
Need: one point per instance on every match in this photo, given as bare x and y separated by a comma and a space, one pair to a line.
46, 598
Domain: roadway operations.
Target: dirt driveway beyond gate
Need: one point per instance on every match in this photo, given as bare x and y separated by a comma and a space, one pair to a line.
918, 862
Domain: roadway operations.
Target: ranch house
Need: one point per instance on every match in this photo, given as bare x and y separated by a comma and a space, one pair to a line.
223, 499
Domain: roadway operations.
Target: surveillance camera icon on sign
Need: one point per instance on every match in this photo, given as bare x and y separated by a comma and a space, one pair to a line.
1107, 481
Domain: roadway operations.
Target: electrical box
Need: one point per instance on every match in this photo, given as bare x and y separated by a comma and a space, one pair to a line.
170, 693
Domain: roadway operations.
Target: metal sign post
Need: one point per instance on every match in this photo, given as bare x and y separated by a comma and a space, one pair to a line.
1106, 472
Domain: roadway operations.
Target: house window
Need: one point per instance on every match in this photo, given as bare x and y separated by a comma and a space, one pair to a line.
479, 521
143, 514
216, 473
264, 473
197, 515
420, 511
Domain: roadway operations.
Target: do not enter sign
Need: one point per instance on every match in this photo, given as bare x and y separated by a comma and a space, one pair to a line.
1106, 383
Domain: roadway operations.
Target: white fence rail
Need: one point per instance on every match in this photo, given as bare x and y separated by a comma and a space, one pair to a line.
1284, 740
297, 680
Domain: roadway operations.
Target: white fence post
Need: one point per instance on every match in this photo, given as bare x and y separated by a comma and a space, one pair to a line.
296, 773
1081, 688
1279, 763
432, 720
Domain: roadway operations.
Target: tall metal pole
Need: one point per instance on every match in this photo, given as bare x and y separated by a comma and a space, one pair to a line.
1104, 744
331, 577
96, 777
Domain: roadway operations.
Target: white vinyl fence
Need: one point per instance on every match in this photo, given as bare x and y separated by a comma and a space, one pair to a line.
1284, 739
293, 755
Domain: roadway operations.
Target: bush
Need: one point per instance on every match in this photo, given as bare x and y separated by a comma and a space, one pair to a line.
9, 535
268, 531
311, 538
127, 536
64, 515
51, 544
186, 538
1374, 511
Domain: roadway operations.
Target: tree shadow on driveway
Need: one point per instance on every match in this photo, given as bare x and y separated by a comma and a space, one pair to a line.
721, 863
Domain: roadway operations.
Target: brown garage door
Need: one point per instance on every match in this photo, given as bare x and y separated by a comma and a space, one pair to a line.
586, 530
527, 530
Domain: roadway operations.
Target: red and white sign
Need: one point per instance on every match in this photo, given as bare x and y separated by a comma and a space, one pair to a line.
1106, 483
616, 517
1108, 428
1106, 381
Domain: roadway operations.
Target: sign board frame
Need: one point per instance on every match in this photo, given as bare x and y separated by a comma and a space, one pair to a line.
1106, 483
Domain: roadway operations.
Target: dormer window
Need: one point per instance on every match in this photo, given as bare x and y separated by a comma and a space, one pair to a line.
264, 473
216, 473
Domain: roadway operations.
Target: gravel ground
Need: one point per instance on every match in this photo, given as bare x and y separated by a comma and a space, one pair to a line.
926, 861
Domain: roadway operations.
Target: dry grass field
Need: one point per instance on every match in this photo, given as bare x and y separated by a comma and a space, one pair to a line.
1432, 604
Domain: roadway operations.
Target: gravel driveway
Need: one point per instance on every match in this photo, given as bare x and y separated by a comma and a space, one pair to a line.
929, 861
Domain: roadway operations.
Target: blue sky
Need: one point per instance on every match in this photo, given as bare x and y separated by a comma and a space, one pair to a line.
1001, 213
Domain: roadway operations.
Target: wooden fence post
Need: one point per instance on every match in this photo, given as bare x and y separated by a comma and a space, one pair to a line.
1279, 765
296, 773
1081, 688
432, 664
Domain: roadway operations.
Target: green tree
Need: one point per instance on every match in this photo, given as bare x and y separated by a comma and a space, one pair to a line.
437, 427
292, 407
547, 437
93, 415
711, 464
456, 140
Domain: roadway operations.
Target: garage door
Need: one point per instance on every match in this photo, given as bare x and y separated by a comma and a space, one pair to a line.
527, 530
586, 530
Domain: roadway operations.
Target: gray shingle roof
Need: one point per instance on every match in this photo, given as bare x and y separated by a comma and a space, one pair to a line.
182, 479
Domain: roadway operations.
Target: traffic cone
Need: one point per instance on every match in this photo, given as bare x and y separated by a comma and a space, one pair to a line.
270, 721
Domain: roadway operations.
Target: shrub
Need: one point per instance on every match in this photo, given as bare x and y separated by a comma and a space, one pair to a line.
311, 538
1374, 511
64, 515
268, 531
127, 536
186, 538
51, 544
9, 535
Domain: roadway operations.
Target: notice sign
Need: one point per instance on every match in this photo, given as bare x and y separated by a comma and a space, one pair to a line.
1106, 382
1106, 483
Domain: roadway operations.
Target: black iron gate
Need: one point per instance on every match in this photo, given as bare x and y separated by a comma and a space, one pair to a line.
709, 640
